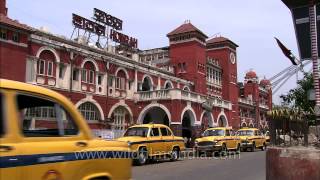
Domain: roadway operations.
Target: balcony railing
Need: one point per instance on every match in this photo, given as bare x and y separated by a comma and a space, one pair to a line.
246, 101
264, 106
178, 94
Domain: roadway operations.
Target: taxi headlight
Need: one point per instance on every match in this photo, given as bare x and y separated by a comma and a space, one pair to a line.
129, 143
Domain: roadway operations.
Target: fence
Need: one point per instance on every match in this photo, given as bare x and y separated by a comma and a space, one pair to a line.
291, 127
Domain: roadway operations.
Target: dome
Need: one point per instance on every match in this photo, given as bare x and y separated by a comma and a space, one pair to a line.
264, 82
251, 75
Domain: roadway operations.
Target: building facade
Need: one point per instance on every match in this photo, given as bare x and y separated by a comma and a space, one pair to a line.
189, 85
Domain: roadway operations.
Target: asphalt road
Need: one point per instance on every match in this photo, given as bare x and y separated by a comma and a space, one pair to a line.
247, 166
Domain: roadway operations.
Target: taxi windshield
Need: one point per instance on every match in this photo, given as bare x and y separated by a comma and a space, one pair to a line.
245, 133
137, 131
213, 132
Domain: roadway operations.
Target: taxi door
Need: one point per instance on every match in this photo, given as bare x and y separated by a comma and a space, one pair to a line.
155, 141
50, 139
167, 140
257, 138
9, 143
229, 140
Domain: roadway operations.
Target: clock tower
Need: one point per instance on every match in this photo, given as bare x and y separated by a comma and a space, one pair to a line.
224, 51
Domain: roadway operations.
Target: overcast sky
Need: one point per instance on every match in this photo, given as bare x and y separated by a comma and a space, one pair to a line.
252, 24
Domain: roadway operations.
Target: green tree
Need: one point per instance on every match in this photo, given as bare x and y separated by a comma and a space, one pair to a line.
298, 97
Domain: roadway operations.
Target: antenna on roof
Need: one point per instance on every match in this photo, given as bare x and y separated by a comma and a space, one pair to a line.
187, 21
215, 35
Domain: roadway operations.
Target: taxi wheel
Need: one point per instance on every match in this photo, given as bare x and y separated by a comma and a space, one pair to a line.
253, 147
142, 156
224, 150
175, 154
263, 147
238, 149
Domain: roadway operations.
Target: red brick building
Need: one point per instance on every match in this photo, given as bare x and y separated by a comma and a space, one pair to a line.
190, 85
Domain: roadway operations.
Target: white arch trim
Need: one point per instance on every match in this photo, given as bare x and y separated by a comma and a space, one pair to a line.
213, 123
168, 81
195, 122
120, 104
44, 48
148, 107
244, 123
88, 99
144, 76
225, 116
124, 70
186, 88
90, 60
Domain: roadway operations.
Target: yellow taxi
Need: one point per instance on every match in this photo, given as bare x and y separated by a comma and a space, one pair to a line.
218, 139
153, 140
43, 136
252, 138
267, 136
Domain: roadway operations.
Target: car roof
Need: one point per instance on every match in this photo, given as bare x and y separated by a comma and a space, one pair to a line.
247, 128
150, 125
222, 128
20, 86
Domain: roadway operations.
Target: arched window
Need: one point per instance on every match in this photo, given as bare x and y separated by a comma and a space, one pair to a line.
186, 88
88, 73
121, 118
89, 111
168, 85
147, 84
121, 80
45, 64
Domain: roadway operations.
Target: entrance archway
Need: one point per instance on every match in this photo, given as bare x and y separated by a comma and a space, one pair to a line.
206, 120
222, 121
188, 120
154, 114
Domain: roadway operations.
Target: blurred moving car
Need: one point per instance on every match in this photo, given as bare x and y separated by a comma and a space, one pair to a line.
153, 141
43, 136
252, 138
218, 139
267, 136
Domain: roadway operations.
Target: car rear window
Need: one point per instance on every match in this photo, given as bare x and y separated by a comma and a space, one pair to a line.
164, 131
155, 132
41, 117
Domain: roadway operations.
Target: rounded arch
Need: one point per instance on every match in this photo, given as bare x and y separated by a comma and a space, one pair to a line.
191, 112
145, 110
186, 88
168, 85
244, 124
124, 70
211, 119
222, 120
147, 83
251, 125
93, 102
47, 48
92, 61
120, 104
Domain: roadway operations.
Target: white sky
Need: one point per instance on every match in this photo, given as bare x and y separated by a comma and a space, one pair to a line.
251, 24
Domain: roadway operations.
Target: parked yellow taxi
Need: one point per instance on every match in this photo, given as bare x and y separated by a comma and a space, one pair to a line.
43, 136
252, 138
153, 140
218, 139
